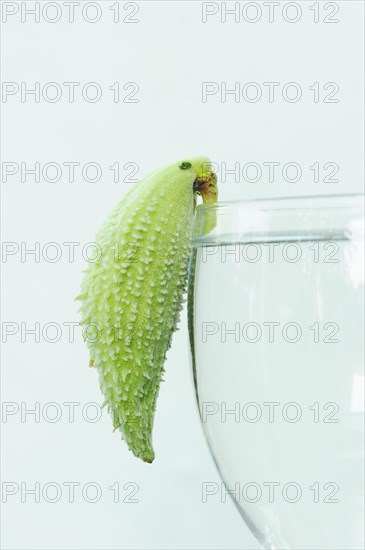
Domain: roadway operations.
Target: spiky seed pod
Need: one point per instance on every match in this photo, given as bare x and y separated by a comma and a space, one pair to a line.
131, 297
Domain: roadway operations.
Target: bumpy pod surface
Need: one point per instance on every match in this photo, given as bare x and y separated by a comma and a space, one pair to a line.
132, 295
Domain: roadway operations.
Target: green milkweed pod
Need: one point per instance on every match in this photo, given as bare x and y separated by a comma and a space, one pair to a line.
133, 293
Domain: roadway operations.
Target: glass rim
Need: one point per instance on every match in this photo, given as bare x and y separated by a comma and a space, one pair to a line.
296, 202
295, 218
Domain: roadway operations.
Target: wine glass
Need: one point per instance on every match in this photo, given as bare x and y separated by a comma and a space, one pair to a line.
276, 329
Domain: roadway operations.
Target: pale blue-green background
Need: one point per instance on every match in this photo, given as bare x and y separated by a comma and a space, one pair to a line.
168, 53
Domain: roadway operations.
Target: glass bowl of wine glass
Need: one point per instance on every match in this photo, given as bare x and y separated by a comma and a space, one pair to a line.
276, 325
